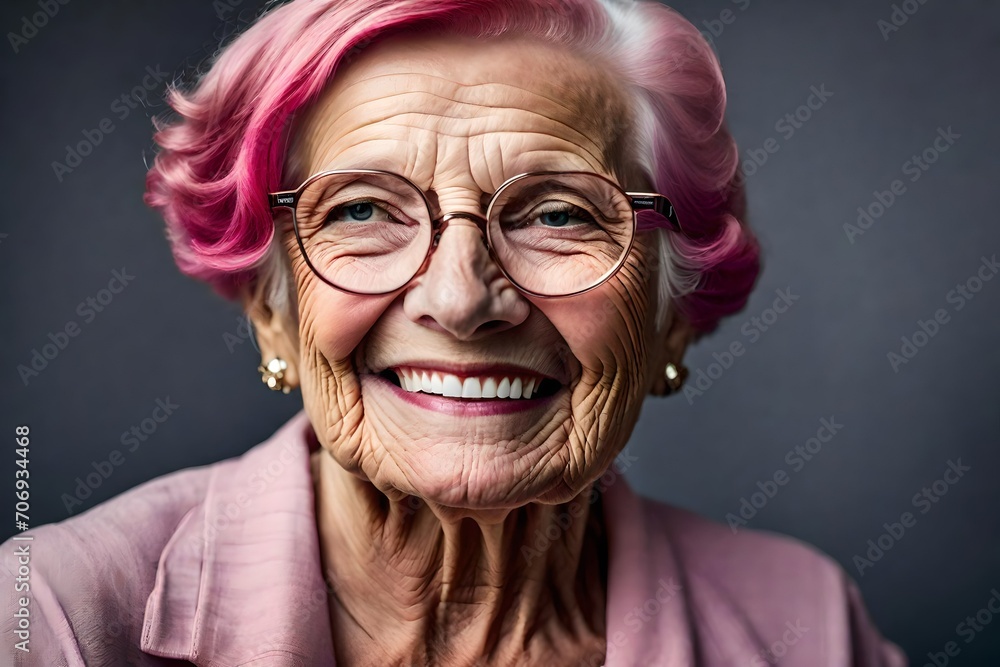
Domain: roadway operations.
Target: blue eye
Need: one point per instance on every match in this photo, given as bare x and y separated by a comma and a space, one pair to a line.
555, 218
359, 211
563, 216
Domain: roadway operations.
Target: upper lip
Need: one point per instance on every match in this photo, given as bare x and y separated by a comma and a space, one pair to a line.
478, 369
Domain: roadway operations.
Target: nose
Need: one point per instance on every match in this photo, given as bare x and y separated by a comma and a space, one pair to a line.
461, 289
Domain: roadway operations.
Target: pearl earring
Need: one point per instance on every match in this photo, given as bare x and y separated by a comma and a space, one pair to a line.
273, 375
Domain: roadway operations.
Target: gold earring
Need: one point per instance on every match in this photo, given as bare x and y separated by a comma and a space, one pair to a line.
273, 375
675, 375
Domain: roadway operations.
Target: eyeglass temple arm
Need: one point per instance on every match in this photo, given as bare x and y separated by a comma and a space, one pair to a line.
282, 199
650, 201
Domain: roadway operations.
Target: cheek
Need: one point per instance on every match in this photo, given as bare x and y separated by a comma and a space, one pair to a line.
607, 329
334, 323
607, 332
331, 323
593, 327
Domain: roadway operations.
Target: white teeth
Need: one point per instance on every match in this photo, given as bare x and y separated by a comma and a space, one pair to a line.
515, 388
489, 388
453, 386
471, 388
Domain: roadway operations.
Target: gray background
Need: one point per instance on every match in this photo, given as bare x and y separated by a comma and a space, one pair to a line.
166, 336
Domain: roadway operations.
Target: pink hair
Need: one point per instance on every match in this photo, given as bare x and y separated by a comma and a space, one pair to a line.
227, 148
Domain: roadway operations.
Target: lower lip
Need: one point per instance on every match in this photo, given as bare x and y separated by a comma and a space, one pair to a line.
470, 407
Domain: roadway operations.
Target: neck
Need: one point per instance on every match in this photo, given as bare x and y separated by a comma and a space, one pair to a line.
417, 584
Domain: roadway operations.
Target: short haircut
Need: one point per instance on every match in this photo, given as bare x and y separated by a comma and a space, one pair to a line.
225, 146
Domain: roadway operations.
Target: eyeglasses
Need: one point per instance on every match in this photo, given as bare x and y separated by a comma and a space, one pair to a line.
551, 233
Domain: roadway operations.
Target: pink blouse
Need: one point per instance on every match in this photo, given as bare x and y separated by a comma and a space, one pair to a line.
219, 566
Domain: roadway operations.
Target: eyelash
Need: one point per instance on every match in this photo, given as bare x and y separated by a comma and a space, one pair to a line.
381, 205
573, 210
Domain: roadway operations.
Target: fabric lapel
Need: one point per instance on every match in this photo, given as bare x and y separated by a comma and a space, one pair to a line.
647, 611
240, 581
660, 613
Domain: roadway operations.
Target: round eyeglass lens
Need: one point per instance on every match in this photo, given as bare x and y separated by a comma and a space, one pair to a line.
558, 234
363, 232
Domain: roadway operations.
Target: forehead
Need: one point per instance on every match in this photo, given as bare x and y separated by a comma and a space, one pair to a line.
408, 96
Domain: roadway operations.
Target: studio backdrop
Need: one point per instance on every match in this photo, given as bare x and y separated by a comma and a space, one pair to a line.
853, 404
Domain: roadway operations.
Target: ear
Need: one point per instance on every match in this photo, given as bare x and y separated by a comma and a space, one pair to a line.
274, 338
669, 346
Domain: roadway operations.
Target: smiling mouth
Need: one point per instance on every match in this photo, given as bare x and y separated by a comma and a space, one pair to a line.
477, 387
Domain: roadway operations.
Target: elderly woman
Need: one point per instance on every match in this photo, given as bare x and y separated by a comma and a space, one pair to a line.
475, 234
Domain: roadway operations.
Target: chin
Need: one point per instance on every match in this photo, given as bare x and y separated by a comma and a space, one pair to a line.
464, 455
475, 474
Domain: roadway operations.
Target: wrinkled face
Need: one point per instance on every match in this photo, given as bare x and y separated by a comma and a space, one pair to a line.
459, 117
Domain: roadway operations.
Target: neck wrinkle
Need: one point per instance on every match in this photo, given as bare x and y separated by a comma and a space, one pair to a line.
412, 584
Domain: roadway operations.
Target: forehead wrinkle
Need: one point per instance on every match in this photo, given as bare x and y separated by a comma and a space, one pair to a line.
390, 122
334, 97
459, 87
358, 107
389, 160
582, 105
583, 90
577, 139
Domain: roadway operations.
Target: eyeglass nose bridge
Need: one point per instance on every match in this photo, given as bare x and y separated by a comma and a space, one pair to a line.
442, 223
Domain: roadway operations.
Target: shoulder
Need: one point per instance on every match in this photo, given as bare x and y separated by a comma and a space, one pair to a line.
746, 561
784, 590
81, 587
85, 580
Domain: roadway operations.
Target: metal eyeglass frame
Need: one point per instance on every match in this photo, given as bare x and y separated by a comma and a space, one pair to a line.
640, 201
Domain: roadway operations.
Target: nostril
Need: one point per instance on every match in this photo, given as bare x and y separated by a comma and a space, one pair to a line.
430, 322
462, 328
493, 325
